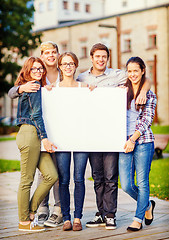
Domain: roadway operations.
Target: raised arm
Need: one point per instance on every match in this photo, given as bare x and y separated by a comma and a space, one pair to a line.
141, 99
15, 91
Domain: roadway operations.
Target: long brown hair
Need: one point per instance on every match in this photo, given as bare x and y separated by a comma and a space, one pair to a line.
24, 75
130, 93
70, 54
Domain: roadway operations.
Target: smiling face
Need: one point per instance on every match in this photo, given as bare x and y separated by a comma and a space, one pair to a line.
99, 60
134, 73
50, 57
67, 66
36, 71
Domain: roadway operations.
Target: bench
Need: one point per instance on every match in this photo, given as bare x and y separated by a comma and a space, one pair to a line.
160, 143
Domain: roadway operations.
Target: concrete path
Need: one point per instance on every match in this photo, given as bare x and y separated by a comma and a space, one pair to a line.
9, 182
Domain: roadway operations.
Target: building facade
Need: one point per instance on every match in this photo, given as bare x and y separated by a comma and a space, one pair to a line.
143, 33
50, 13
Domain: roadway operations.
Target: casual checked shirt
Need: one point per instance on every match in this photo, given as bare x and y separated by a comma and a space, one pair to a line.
145, 119
110, 78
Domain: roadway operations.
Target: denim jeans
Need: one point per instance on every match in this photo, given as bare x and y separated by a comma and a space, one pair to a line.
105, 174
63, 162
138, 160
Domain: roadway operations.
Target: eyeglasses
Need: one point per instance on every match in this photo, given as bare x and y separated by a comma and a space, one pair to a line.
71, 64
35, 70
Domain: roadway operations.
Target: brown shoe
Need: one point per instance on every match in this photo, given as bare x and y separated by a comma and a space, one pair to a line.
67, 226
77, 226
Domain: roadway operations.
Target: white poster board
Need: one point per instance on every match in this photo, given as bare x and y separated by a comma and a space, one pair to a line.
77, 119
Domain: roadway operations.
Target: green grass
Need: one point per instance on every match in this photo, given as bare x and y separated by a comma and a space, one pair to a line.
159, 178
7, 138
157, 129
9, 165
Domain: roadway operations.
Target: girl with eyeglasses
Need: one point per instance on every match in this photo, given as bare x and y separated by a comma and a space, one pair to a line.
31, 133
68, 63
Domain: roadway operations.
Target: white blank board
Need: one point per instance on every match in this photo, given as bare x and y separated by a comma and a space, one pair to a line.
77, 119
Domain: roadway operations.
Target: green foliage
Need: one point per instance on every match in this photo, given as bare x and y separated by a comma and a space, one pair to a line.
16, 37
9, 165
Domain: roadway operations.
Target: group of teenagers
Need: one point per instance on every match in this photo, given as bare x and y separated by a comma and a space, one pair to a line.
55, 70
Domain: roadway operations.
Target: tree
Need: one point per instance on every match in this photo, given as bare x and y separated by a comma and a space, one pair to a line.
16, 38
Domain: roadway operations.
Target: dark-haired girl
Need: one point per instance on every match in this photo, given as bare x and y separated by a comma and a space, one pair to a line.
31, 133
139, 147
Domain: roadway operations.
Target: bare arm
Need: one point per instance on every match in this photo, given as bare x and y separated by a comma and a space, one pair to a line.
141, 99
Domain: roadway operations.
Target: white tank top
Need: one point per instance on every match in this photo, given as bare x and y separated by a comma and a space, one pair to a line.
79, 84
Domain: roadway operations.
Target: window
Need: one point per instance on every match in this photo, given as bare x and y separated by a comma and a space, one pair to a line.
150, 72
84, 52
87, 8
83, 48
64, 47
124, 3
152, 40
41, 7
76, 7
50, 5
65, 4
126, 42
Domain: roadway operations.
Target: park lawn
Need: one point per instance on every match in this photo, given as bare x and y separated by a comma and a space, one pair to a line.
9, 165
2, 139
159, 178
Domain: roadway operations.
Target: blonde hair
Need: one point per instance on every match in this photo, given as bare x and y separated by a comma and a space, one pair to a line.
47, 45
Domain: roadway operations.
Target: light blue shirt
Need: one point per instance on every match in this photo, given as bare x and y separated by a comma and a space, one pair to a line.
110, 78
132, 115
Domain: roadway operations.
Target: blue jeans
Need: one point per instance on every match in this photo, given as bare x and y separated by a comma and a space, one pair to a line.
63, 162
138, 160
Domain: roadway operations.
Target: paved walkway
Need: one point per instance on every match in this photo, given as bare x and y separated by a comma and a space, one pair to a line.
9, 182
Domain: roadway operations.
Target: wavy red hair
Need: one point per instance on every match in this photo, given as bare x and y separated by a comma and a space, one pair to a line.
24, 75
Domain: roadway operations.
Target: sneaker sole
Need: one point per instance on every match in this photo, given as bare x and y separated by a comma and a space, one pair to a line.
110, 228
96, 225
52, 224
27, 230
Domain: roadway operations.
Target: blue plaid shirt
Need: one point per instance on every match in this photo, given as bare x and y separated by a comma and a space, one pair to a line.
145, 119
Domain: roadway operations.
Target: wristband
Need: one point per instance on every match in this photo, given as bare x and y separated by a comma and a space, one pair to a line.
132, 140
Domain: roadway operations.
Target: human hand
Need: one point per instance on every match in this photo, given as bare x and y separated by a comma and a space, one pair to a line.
141, 99
92, 87
48, 145
49, 87
129, 146
30, 86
